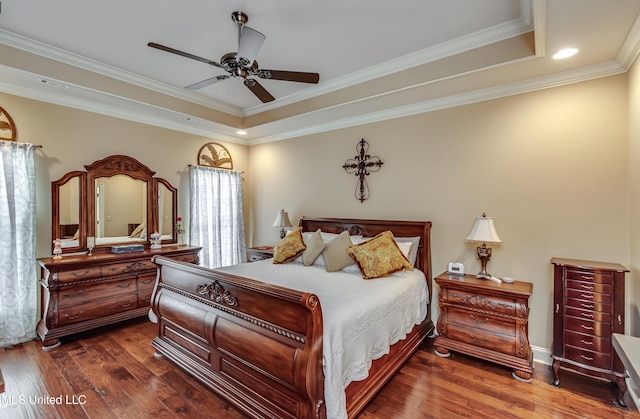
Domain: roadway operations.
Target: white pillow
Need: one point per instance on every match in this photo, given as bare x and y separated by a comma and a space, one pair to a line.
415, 244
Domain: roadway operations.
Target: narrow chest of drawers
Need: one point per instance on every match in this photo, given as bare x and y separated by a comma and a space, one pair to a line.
588, 308
486, 320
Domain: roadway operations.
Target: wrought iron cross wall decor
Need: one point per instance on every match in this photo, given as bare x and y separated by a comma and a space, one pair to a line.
362, 165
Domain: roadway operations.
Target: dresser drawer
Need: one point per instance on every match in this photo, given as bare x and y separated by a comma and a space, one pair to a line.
587, 296
590, 287
127, 267
191, 258
586, 314
481, 338
84, 293
97, 308
589, 305
144, 297
590, 276
147, 281
589, 358
481, 322
485, 302
591, 343
78, 274
588, 327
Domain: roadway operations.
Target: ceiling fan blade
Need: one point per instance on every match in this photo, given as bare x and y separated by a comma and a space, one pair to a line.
250, 43
298, 76
258, 90
207, 82
182, 53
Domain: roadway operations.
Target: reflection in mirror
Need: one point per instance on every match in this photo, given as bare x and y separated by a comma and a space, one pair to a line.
167, 208
69, 212
121, 210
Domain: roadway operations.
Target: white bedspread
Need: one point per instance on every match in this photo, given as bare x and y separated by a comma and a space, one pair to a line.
361, 318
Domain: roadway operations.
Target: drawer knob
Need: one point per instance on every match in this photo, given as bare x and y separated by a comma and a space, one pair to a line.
588, 358
127, 285
587, 287
589, 306
586, 327
590, 315
589, 296
587, 277
74, 317
76, 294
585, 342
80, 274
557, 308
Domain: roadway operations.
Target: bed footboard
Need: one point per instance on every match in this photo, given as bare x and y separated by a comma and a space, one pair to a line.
256, 344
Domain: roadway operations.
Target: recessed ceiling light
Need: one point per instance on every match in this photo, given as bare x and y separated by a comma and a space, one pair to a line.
565, 53
241, 132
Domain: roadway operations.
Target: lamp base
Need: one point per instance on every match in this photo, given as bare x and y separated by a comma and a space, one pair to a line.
484, 254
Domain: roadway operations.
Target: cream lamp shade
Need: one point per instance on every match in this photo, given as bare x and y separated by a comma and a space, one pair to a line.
282, 221
484, 231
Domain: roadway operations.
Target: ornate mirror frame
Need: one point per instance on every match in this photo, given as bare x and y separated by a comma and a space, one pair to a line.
107, 168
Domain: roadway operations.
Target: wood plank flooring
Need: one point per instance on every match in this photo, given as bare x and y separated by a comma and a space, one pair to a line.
113, 373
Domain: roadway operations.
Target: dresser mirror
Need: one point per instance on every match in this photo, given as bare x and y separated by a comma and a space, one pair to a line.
69, 214
116, 201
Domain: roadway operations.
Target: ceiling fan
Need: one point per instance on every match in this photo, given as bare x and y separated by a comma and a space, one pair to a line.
242, 64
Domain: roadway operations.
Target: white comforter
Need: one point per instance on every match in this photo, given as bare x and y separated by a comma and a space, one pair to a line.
361, 318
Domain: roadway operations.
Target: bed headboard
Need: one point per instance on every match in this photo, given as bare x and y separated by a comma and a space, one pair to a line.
370, 228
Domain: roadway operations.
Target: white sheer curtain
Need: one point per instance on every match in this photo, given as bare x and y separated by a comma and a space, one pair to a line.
18, 282
217, 216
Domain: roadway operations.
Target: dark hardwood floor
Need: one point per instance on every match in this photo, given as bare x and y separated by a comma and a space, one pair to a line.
113, 373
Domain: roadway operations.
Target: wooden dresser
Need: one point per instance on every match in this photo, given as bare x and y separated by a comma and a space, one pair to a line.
588, 307
487, 320
82, 292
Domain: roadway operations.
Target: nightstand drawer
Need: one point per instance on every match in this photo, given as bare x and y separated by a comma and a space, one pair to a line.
486, 302
482, 338
481, 322
592, 343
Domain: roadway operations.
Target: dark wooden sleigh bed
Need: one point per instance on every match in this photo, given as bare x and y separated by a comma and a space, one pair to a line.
260, 345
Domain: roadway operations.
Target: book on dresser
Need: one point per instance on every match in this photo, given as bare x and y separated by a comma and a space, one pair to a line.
82, 292
588, 307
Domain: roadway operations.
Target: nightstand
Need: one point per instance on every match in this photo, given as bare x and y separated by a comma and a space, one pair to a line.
481, 318
259, 253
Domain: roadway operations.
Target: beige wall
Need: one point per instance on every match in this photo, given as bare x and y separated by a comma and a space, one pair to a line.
634, 197
549, 166
72, 138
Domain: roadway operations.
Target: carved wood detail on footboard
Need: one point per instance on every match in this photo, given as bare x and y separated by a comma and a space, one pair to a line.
258, 345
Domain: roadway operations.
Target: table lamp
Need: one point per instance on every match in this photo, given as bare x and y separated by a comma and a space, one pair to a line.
282, 221
484, 232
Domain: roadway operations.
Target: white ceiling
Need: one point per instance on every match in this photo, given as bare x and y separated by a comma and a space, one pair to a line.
376, 59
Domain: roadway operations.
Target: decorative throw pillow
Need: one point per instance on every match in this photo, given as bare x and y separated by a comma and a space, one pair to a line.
136, 232
315, 245
335, 252
289, 247
379, 256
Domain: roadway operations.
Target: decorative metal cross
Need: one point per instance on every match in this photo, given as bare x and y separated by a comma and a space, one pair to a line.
362, 165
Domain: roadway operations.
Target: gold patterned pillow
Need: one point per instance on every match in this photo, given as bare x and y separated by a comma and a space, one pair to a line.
289, 248
379, 256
